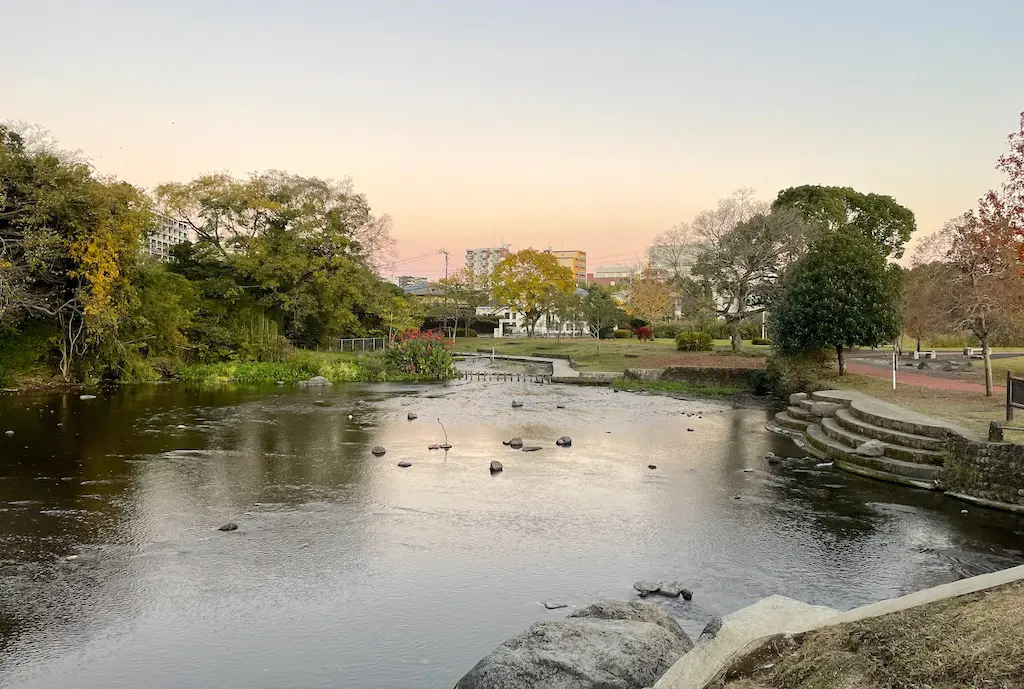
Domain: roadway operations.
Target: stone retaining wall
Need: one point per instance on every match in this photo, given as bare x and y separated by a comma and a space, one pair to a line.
735, 377
991, 471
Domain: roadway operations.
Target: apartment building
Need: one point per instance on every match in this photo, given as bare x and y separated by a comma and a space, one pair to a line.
482, 261
409, 281
166, 235
574, 260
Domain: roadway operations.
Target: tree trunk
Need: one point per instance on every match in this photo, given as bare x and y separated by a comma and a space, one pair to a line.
842, 361
734, 335
988, 366
919, 344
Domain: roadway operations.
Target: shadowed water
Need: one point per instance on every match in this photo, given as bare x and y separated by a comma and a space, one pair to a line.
347, 571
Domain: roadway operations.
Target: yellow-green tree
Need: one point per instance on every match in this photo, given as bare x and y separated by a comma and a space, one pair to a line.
530, 282
651, 299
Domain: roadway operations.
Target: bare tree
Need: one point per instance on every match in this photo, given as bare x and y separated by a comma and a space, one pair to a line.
744, 248
674, 252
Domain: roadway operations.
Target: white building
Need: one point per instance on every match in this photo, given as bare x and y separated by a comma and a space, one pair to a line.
482, 261
616, 272
166, 235
513, 324
409, 281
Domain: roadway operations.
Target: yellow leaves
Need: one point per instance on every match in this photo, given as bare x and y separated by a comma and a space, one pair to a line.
528, 279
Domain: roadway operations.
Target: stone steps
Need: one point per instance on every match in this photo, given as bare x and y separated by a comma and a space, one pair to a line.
883, 468
805, 404
867, 413
847, 420
800, 413
786, 421
906, 454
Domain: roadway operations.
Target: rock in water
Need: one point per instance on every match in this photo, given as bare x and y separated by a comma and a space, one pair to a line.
404, 464
230, 526
411, 416
646, 587
435, 446
559, 406
711, 629
871, 448
87, 397
689, 430
554, 605
530, 448
652, 466
564, 441
672, 589
516, 404
378, 451
496, 467
516, 443
611, 645
8, 433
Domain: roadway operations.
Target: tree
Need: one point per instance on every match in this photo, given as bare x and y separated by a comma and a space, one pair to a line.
674, 252
842, 294
745, 249
567, 307
528, 281
925, 296
879, 218
600, 311
650, 299
68, 245
465, 291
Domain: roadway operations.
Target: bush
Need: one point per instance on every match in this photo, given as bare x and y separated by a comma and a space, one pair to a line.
666, 331
645, 333
623, 334
802, 372
760, 341
469, 333
421, 354
694, 342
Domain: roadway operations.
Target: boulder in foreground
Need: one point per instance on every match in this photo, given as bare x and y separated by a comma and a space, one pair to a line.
608, 645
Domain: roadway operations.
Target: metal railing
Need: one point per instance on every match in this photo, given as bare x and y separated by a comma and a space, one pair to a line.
359, 344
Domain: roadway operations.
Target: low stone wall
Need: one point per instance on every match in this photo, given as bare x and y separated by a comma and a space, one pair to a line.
735, 377
986, 470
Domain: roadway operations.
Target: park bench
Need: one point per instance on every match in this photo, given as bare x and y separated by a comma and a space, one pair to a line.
929, 354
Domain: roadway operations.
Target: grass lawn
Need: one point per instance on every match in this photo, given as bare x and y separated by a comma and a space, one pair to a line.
969, 409
969, 642
615, 355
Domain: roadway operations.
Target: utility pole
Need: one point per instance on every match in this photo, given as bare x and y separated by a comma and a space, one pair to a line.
445, 252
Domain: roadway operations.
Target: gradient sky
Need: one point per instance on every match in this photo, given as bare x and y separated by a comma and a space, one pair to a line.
590, 124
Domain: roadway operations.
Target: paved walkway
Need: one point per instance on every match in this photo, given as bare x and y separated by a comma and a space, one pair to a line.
922, 380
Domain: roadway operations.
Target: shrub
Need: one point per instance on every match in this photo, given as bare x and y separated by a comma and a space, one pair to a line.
421, 354
667, 331
623, 334
645, 333
694, 342
760, 341
469, 333
801, 372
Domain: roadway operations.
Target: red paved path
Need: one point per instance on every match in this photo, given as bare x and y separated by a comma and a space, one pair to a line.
919, 379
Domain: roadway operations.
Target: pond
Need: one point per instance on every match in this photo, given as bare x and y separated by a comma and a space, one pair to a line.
348, 571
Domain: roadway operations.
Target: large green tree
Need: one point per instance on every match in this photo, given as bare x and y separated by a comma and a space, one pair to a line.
601, 311
842, 294
529, 282
879, 218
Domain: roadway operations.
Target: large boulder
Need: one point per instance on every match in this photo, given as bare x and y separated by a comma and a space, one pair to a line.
611, 645
795, 399
824, 409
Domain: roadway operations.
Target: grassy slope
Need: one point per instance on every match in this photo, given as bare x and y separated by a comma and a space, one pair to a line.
969, 409
338, 367
969, 642
616, 355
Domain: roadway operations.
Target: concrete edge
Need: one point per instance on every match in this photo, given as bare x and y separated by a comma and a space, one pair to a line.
984, 502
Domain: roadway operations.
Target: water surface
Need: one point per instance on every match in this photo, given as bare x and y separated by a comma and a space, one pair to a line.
347, 571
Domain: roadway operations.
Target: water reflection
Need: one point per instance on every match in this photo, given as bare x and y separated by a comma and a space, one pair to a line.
349, 571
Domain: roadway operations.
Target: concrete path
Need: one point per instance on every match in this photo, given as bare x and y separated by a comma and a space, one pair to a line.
922, 380
560, 368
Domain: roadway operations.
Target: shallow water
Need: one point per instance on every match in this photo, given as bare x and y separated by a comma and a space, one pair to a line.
348, 571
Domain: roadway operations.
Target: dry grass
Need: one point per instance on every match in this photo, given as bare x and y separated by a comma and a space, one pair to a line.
970, 642
969, 409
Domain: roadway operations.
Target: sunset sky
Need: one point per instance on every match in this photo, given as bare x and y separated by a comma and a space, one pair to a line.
590, 124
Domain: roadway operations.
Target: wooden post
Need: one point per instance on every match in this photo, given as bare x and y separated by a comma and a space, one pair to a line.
1009, 396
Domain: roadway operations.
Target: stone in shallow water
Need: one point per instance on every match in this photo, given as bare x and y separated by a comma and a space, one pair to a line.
672, 589
87, 397
559, 406
515, 443
230, 526
564, 441
496, 467
645, 586
555, 605
652, 466
404, 464
530, 448
378, 451
411, 416
516, 404
435, 446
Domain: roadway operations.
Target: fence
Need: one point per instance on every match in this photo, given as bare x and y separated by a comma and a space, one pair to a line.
359, 344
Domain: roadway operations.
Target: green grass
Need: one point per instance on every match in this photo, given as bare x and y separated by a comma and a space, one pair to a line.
680, 386
614, 355
302, 365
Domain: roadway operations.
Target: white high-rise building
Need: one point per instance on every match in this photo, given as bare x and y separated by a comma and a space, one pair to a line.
482, 261
167, 234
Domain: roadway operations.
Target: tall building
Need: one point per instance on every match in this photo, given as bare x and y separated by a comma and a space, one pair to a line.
482, 261
610, 276
408, 281
166, 235
574, 260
